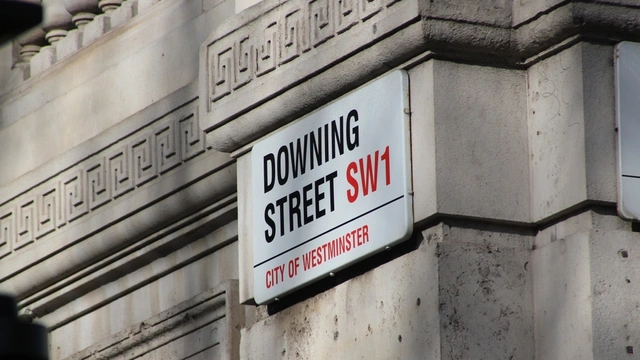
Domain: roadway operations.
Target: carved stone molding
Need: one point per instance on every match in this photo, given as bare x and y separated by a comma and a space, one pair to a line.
102, 178
270, 49
157, 172
137, 265
205, 326
275, 62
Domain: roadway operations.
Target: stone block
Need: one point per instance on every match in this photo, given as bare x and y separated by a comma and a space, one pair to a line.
600, 122
562, 298
557, 137
481, 142
556, 128
464, 293
124, 13
485, 294
615, 279
585, 295
492, 12
69, 44
43, 60
94, 30
572, 130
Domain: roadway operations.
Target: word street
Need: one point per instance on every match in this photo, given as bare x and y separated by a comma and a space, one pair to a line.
318, 147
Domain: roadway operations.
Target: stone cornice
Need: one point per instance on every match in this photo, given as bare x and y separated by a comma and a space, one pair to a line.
259, 72
144, 262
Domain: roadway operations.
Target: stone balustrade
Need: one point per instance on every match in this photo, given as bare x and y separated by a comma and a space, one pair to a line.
57, 21
83, 11
70, 25
30, 43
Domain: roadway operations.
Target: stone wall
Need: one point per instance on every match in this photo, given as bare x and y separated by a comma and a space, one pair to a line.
125, 190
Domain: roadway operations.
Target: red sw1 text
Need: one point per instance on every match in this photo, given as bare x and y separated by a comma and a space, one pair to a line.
367, 167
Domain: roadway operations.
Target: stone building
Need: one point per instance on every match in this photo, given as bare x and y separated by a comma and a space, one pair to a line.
126, 207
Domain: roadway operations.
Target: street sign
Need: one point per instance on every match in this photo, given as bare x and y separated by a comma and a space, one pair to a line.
627, 79
332, 188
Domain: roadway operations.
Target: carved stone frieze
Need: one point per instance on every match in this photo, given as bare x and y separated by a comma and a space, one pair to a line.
304, 53
100, 179
248, 62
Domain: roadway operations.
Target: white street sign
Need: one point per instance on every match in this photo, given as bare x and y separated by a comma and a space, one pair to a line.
627, 77
332, 188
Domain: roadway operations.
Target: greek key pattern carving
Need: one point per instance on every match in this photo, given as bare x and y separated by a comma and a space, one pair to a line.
279, 37
7, 230
101, 179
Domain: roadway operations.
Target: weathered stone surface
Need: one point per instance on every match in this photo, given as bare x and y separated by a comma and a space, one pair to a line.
161, 253
485, 294
390, 312
585, 296
481, 142
94, 30
204, 326
562, 298
603, 218
572, 130
614, 282
69, 44
43, 60
463, 294
462, 139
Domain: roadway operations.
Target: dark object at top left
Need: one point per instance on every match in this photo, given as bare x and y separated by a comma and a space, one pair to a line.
19, 339
16, 17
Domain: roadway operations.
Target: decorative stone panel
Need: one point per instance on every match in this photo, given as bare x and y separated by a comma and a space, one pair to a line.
96, 181
247, 65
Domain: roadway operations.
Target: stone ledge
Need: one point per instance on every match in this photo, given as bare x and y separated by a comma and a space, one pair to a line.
214, 317
178, 245
585, 291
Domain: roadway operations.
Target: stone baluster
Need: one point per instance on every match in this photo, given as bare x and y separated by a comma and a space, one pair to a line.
32, 40
108, 6
83, 11
57, 20
30, 43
